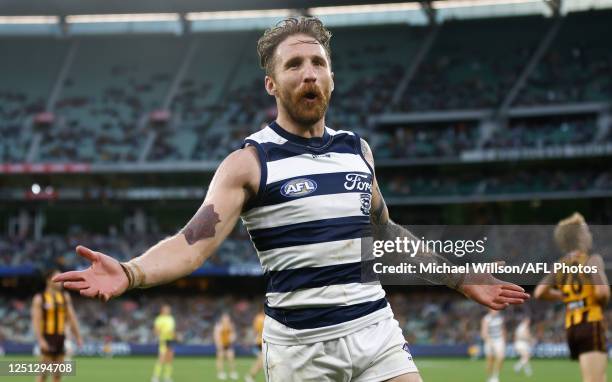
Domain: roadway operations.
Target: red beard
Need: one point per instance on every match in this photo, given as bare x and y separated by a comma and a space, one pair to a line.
306, 106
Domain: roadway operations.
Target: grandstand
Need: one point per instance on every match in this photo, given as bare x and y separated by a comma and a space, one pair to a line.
493, 112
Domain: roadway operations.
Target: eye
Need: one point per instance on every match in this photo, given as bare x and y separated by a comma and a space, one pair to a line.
292, 64
319, 62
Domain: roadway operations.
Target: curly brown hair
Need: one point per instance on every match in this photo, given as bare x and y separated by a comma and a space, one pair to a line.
272, 37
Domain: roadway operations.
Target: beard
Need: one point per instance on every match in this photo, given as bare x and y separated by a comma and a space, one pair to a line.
307, 105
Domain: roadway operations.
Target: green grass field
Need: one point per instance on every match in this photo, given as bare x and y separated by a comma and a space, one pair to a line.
132, 369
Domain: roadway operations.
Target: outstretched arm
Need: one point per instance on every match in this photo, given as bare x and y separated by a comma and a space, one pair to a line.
545, 290
235, 181
482, 288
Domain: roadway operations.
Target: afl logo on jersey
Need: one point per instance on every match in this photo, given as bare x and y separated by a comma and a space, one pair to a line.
298, 187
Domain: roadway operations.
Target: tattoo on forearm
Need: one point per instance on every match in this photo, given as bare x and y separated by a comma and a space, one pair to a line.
202, 225
378, 215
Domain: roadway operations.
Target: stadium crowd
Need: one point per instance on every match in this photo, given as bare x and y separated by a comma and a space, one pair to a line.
425, 317
57, 251
517, 182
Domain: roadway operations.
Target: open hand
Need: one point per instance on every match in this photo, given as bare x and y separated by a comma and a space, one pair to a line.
104, 279
491, 292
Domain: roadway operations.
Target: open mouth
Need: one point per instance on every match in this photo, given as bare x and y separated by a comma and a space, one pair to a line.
311, 96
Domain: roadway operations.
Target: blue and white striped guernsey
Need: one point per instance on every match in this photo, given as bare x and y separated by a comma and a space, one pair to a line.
306, 222
495, 326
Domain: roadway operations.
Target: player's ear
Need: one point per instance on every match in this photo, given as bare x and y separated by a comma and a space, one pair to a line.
332, 81
270, 85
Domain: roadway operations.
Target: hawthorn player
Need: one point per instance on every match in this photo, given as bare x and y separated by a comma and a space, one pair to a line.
584, 295
51, 311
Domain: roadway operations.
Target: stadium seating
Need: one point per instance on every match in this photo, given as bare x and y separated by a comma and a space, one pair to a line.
545, 133
202, 96
577, 66
477, 183
419, 141
368, 63
473, 64
28, 70
113, 83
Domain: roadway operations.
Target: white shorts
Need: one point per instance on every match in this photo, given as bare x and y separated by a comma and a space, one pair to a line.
522, 346
495, 348
374, 353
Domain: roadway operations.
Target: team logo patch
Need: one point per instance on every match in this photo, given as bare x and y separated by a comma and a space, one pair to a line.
407, 350
298, 187
366, 202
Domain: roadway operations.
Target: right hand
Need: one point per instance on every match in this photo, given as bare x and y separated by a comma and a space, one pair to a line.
104, 279
44, 345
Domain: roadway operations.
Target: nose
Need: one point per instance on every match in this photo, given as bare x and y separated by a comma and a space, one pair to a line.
310, 75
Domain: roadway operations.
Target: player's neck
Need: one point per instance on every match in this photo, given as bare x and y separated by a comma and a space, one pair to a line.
315, 130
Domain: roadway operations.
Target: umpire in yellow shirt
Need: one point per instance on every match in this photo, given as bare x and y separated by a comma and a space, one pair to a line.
165, 331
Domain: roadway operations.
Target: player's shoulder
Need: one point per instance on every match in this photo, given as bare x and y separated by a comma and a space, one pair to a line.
339, 133
241, 165
595, 258
37, 298
264, 136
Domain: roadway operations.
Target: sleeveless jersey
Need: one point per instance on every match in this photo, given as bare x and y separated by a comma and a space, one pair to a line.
521, 333
53, 313
579, 295
495, 326
306, 223
226, 333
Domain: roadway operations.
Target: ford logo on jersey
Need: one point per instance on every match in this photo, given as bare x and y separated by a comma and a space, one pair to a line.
298, 187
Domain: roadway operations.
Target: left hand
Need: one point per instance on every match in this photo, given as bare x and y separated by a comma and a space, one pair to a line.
491, 292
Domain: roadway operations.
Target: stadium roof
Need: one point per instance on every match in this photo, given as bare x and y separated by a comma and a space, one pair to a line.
82, 7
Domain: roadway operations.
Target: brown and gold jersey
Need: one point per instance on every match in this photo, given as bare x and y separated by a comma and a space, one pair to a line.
227, 332
579, 294
258, 324
53, 313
